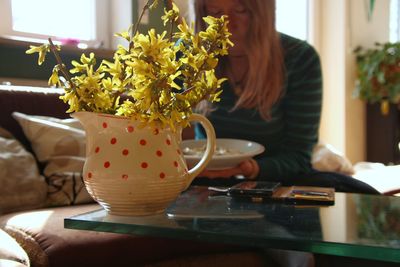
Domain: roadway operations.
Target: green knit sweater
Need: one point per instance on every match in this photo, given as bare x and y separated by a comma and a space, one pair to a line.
291, 134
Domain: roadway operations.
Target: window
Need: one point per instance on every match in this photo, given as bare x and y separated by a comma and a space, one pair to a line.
292, 18
88, 20
51, 23
69, 21
394, 26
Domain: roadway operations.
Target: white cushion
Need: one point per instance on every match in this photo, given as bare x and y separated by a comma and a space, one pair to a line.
21, 185
60, 145
50, 138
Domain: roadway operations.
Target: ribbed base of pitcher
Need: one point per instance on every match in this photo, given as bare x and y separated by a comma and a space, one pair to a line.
134, 197
134, 209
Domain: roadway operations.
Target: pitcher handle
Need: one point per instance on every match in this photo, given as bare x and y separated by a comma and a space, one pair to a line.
210, 147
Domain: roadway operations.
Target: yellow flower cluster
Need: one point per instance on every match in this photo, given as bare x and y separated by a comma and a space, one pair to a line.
161, 77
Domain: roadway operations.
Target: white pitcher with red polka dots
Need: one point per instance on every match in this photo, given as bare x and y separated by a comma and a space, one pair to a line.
132, 170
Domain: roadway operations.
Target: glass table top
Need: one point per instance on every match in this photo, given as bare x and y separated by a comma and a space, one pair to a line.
362, 226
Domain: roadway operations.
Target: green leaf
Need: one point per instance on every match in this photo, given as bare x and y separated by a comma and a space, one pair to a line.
371, 9
378, 73
381, 77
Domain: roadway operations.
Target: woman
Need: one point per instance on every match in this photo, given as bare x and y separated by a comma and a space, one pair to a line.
273, 97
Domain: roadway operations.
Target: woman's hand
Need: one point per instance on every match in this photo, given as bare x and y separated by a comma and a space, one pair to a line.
248, 168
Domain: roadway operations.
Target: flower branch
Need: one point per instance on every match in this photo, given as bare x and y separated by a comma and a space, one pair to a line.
146, 72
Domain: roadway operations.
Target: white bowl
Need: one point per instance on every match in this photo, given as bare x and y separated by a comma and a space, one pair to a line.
229, 152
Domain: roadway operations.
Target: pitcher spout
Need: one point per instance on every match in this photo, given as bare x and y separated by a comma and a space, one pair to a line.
83, 117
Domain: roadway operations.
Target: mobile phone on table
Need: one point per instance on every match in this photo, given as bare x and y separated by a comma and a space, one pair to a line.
253, 189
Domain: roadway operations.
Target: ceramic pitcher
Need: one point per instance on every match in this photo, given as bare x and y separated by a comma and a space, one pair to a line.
136, 170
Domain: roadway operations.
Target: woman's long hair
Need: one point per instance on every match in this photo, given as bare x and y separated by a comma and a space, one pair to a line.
265, 77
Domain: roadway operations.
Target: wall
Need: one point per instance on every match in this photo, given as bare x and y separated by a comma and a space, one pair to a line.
342, 26
332, 51
151, 20
183, 7
362, 32
121, 14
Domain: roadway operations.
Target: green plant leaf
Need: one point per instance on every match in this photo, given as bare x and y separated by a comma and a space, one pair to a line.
371, 9
378, 73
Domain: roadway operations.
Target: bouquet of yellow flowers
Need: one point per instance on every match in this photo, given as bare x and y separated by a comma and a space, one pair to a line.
163, 76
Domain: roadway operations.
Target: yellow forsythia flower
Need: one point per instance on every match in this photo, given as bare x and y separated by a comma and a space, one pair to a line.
164, 76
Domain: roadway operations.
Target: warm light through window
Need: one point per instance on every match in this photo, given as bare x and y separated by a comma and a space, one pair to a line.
36, 219
64, 19
394, 21
292, 17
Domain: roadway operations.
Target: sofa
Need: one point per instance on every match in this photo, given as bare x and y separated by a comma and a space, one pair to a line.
31, 228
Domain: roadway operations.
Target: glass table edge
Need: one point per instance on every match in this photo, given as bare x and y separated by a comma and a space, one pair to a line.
331, 248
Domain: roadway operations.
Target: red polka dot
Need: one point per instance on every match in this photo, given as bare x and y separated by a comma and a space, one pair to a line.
159, 153
130, 129
162, 175
89, 175
143, 142
97, 150
125, 176
144, 165
156, 131
105, 125
125, 152
168, 142
175, 164
179, 152
107, 164
113, 141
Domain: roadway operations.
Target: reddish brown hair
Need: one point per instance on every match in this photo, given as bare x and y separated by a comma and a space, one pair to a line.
265, 78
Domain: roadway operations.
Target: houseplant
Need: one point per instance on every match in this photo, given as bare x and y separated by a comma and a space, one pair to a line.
134, 108
378, 83
378, 75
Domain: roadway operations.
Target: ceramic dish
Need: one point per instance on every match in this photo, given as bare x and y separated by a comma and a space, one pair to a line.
229, 152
